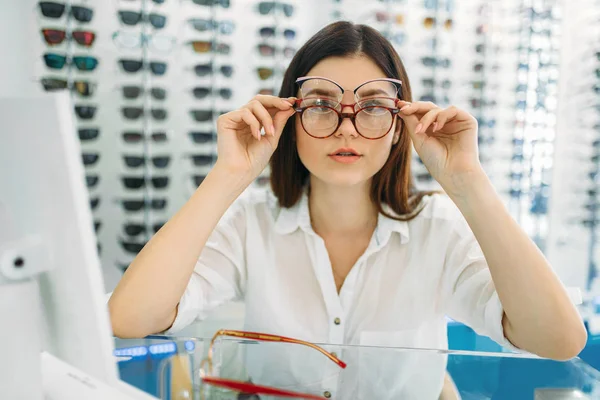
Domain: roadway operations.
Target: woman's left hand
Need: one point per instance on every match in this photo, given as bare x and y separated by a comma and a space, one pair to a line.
446, 141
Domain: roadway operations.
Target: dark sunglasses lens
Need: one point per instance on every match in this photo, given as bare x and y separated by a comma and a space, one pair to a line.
159, 137
201, 137
55, 61
288, 10
265, 73
159, 114
158, 204
131, 65
156, 227
158, 93
289, 34
84, 38
92, 180
133, 229
201, 92
201, 160
203, 69
198, 179
133, 205
82, 14
157, 21
225, 93
265, 7
267, 32
53, 36
160, 182
132, 137
132, 247
85, 112
88, 134
132, 92
132, 112
158, 68
130, 17
161, 162
133, 182
94, 203
202, 115
85, 63
227, 70
90, 158
52, 10
134, 161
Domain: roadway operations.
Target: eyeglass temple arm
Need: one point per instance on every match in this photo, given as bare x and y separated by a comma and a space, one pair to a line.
274, 338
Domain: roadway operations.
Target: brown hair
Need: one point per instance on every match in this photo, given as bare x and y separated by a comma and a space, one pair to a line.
393, 184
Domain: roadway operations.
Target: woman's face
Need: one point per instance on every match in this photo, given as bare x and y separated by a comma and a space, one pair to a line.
319, 155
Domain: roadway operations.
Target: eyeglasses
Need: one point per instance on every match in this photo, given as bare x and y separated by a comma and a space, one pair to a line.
133, 18
202, 115
90, 158
133, 92
137, 137
268, 50
138, 161
58, 61
267, 32
133, 113
206, 367
222, 3
431, 22
87, 134
202, 25
207, 69
202, 137
134, 182
202, 160
205, 46
374, 111
83, 88
51, 9
436, 62
137, 205
134, 229
85, 112
203, 92
56, 36
132, 247
130, 40
265, 73
132, 66
267, 7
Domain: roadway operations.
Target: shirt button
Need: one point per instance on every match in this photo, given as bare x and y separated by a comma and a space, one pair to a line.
327, 394
337, 321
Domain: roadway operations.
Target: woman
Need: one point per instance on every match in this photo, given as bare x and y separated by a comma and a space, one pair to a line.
343, 249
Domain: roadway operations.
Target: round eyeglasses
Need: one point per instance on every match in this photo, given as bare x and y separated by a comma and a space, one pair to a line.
373, 115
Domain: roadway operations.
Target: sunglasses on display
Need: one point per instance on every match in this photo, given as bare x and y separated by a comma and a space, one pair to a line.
83, 88
206, 46
265, 73
268, 50
133, 66
133, 18
248, 388
203, 92
198, 179
137, 137
431, 83
133, 113
135, 229
207, 69
436, 62
200, 137
88, 134
431, 22
58, 61
138, 205
90, 158
97, 226
202, 160
91, 181
86, 112
203, 25
138, 161
131, 40
57, 36
267, 32
132, 247
134, 182
382, 16
210, 3
267, 92
374, 111
133, 92
202, 115
55, 10
268, 7
94, 203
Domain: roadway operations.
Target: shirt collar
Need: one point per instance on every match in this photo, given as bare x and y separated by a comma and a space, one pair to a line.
298, 216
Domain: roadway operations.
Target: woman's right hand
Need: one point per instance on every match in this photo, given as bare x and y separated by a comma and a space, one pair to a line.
241, 147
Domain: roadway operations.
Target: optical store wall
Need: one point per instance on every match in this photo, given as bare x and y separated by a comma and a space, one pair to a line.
149, 78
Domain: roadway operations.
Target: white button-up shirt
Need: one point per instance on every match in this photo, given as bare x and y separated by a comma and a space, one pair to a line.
411, 276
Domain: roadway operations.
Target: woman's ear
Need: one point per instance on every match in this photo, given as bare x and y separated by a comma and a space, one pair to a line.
399, 127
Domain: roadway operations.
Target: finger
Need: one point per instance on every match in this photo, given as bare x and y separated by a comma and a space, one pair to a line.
446, 115
249, 118
280, 119
273, 102
261, 113
418, 107
427, 120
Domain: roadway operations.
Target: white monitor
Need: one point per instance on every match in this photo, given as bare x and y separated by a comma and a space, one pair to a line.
51, 286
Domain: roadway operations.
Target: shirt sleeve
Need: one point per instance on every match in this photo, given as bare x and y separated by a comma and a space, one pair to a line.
220, 272
470, 295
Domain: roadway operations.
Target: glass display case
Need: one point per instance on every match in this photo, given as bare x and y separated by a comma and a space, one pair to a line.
177, 368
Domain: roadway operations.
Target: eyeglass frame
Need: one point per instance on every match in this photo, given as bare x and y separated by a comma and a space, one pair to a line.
352, 115
248, 387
